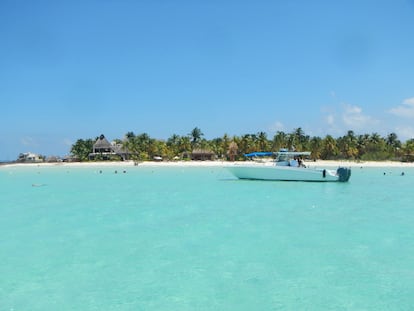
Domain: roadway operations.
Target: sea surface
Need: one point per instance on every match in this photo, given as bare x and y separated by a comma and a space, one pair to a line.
188, 238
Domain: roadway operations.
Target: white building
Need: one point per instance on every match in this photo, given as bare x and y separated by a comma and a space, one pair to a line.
30, 157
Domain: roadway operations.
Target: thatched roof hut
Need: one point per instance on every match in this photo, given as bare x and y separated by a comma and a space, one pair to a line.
104, 150
102, 145
200, 155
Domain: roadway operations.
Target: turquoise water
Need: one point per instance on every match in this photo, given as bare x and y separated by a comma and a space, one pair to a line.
198, 239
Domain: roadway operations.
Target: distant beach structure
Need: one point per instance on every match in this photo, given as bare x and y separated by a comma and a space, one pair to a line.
104, 150
30, 157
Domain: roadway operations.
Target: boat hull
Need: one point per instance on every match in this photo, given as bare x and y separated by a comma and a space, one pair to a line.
286, 173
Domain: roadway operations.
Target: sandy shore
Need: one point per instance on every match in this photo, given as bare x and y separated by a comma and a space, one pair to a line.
320, 163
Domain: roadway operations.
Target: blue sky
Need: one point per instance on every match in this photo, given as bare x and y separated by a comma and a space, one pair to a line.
76, 69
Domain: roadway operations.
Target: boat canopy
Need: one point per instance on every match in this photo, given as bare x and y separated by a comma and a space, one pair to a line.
295, 153
259, 154
282, 151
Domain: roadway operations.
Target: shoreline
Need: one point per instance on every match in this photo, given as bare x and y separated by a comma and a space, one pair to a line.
311, 164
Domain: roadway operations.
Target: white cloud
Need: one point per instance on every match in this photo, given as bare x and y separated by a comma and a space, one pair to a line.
330, 119
338, 120
405, 132
277, 126
354, 118
406, 109
67, 142
28, 141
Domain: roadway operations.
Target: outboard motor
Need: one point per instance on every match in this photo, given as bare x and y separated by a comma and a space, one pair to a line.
343, 173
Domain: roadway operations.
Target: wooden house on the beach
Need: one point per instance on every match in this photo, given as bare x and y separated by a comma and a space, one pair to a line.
200, 155
104, 150
102, 145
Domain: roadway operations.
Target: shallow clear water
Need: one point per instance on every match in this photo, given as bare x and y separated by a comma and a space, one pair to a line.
198, 239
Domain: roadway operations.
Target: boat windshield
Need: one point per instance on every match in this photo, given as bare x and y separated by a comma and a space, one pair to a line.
290, 158
282, 156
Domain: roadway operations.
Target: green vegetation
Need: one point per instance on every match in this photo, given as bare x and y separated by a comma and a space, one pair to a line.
82, 148
371, 147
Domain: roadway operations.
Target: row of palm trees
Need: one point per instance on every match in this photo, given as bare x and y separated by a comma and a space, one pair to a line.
350, 146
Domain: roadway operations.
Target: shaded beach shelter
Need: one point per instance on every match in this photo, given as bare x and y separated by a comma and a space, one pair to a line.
200, 155
107, 150
102, 145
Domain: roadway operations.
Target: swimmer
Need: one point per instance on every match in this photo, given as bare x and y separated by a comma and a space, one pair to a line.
38, 185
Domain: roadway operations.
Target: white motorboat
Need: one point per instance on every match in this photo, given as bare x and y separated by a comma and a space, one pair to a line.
287, 166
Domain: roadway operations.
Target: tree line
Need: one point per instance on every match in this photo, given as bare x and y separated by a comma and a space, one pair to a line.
372, 147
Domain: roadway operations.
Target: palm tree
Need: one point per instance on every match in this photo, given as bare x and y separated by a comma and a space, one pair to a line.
298, 139
279, 141
82, 148
408, 148
330, 148
232, 151
315, 147
129, 135
216, 145
140, 146
247, 144
376, 148
158, 148
173, 144
291, 142
184, 144
348, 145
362, 144
225, 143
394, 144
196, 135
262, 141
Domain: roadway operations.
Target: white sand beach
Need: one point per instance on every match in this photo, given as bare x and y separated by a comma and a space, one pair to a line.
319, 163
